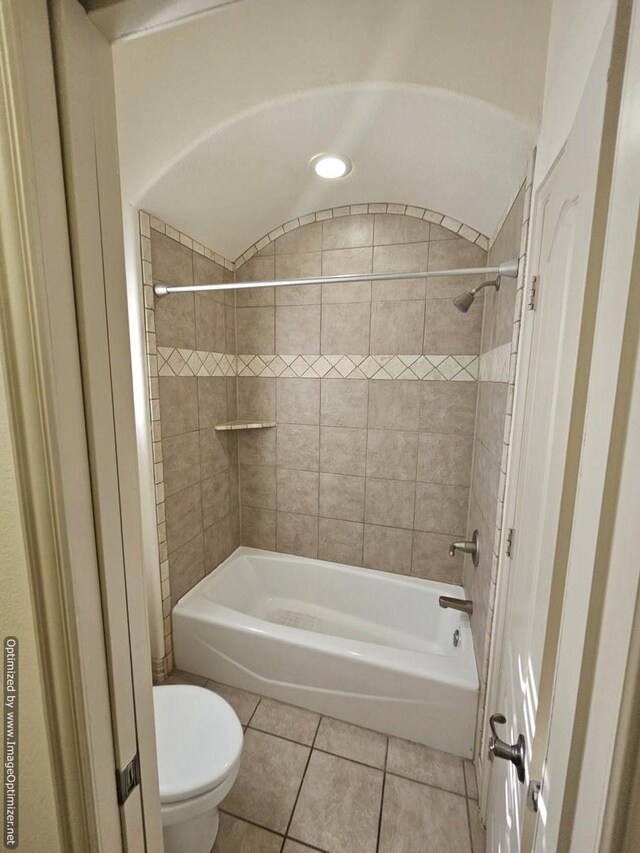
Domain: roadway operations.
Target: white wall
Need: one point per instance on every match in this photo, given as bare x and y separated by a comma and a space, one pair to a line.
576, 30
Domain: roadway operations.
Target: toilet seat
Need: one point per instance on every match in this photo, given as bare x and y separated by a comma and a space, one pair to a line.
199, 742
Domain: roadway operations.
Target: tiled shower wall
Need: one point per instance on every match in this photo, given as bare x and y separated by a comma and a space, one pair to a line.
191, 347
499, 348
372, 387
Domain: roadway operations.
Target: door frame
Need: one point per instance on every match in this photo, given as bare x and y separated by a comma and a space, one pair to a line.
617, 33
47, 423
75, 593
596, 810
87, 114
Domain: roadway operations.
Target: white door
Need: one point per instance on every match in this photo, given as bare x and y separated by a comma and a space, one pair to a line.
559, 252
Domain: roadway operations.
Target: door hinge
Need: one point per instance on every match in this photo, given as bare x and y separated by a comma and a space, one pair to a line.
533, 795
127, 779
533, 292
509, 544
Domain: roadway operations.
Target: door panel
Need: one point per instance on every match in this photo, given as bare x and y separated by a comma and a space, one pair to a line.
87, 118
116, 308
559, 251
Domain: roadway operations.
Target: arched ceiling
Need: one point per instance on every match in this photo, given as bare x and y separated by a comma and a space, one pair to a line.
409, 144
436, 103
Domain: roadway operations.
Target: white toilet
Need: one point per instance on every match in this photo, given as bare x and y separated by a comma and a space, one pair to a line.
199, 743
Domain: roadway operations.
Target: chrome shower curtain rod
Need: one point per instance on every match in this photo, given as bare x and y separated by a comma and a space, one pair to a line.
508, 268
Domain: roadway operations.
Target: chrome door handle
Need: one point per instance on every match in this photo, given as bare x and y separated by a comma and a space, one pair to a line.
498, 748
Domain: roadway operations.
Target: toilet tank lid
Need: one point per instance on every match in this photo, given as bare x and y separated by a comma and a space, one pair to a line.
198, 740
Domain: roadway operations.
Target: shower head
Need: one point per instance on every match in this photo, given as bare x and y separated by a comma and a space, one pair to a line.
465, 300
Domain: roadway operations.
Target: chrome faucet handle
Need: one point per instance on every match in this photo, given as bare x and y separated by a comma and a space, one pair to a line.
471, 547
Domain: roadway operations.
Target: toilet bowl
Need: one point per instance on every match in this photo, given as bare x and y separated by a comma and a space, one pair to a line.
199, 743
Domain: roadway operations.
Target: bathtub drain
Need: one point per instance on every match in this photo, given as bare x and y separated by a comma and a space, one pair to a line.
456, 637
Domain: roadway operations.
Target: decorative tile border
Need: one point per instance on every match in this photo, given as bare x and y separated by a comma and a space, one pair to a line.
447, 368
458, 228
425, 367
188, 362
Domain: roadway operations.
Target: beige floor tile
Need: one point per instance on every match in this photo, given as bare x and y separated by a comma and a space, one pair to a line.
420, 819
271, 770
339, 806
423, 764
478, 834
243, 703
286, 721
237, 836
470, 778
180, 677
352, 742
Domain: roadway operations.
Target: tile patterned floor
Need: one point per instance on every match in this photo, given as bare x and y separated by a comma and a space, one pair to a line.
310, 784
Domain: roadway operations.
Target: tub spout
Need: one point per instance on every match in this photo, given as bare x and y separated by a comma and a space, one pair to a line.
465, 605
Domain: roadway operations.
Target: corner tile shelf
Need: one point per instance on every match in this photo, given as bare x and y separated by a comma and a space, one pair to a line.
229, 425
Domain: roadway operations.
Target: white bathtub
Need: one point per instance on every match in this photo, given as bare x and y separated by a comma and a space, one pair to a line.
371, 648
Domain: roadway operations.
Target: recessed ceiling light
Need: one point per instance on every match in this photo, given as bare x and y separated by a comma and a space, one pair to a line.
331, 166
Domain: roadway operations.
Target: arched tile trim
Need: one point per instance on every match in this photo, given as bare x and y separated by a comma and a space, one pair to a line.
453, 225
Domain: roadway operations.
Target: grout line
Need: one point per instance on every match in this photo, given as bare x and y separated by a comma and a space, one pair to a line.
306, 767
428, 784
322, 250
352, 760
426, 294
275, 468
252, 822
384, 783
235, 352
366, 459
366, 442
321, 286
282, 737
254, 712
200, 477
352, 520
469, 825
361, 429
